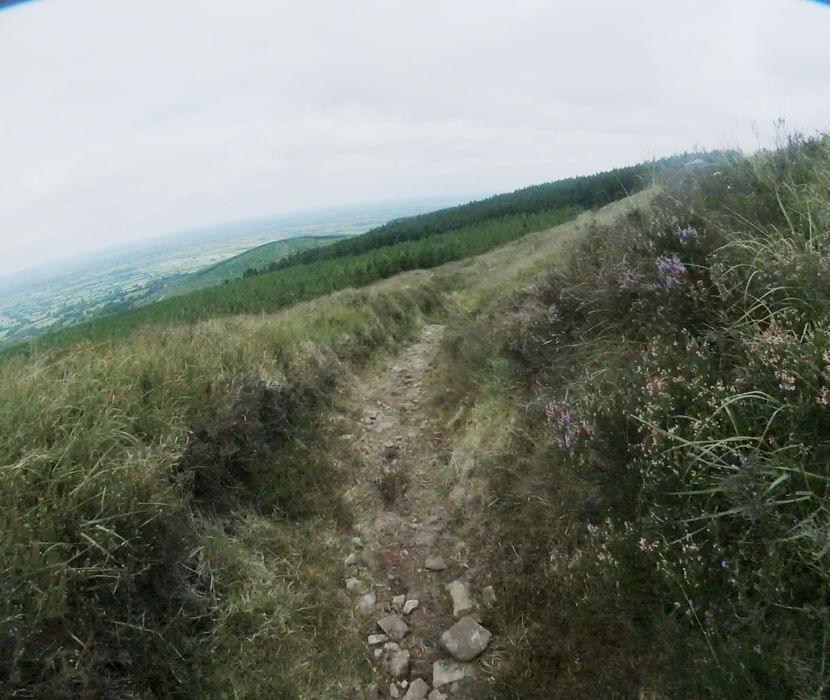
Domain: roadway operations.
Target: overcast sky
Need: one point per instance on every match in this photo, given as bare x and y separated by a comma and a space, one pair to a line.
125, 119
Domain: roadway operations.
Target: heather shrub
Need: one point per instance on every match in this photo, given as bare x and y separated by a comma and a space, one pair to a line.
675, 384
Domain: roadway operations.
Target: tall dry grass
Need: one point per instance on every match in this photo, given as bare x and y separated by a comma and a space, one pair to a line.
171, 514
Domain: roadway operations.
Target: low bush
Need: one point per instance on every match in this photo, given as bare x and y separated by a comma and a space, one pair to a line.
666, 492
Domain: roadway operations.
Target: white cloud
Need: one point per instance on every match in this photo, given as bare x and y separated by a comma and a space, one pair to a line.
120, 120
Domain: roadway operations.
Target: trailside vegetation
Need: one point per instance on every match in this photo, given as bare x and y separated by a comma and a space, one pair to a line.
173, 518
659, 517
170, 514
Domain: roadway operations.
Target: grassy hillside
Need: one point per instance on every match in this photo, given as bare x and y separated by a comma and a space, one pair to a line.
418, 242
171, 493
637, 397
171, 514
574, 194
649, 429
255, 259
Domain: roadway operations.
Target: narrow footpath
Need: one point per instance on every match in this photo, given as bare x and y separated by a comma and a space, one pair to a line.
408, 571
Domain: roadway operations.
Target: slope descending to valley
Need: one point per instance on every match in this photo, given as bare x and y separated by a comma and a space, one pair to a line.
613, 432
419, 242
176, 517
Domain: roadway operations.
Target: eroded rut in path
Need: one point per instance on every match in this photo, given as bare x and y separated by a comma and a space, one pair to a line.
408, 574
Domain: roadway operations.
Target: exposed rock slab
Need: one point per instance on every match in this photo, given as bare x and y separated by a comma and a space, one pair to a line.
394, 626
465, 640
417, 690
435, 563
462, 600
399, 664
489, 596
367, 602
446, 671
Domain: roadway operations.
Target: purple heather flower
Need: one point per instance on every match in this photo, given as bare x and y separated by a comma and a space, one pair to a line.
786, 384
560, 416
670, 270
688, 234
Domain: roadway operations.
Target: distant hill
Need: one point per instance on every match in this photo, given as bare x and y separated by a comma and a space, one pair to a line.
255, 259
54, 296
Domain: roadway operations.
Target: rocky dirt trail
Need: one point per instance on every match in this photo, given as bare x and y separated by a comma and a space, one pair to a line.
409, 573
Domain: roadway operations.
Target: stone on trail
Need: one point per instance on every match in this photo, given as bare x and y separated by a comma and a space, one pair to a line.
393, 691
399, 664
436, 695
435, 563
465, 640
445, 672
351, 560
367, 602
489, 596
410, 605
462, 601
398, 601
377, 639
394, 626
417, 691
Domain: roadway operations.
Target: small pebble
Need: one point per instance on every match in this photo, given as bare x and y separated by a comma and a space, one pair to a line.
488, 594
367, 602
435, 563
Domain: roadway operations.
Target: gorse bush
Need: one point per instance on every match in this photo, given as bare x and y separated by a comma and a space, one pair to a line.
678, 374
